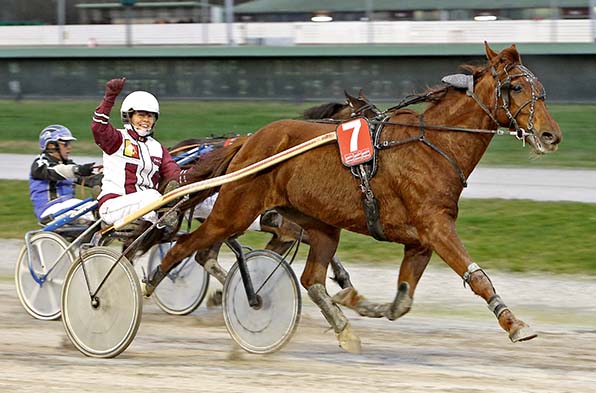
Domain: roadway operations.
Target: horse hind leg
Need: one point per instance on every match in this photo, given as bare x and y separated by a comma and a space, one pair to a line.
340, 274
287, 234
207, 258
482, 286
414, 263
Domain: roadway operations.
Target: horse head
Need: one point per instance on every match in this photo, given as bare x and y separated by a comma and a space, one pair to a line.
519, 100
360, 106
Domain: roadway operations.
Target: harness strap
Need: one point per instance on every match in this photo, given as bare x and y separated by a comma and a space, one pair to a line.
421, 138
371, 206
484, 107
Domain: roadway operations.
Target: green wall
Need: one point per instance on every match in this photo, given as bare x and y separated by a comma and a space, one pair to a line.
385, 73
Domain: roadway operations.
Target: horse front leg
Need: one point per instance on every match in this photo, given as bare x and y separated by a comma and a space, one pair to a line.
445, 241
322, 249
416, 258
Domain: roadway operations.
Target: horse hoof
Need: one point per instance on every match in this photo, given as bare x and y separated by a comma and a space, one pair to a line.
215, 300
346, 297
349, 341
146, 290
524, 333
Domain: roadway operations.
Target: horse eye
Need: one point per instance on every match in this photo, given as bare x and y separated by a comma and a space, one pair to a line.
516, 88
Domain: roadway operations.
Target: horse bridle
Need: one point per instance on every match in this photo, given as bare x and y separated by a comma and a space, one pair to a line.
503, 90
367, 106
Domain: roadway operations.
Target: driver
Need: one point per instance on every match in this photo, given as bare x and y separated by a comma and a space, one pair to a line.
53, 174
134, 163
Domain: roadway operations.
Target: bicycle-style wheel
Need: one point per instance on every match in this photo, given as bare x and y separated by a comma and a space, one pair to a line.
39, 283
185, 286
104, 326
268, 327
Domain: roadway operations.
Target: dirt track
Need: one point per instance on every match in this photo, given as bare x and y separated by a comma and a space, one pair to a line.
449, 343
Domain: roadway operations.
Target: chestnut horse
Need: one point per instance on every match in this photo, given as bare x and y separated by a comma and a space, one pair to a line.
423, 161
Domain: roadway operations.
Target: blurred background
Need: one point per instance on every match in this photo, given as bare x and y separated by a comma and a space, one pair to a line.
285, 49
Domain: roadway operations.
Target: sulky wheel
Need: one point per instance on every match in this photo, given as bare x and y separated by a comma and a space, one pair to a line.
270, 325
39, 284
185, 286
102, 326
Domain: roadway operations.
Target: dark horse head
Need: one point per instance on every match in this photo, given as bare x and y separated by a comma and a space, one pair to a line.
353, 106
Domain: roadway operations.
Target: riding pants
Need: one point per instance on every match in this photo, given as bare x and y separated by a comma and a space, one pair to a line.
114, 209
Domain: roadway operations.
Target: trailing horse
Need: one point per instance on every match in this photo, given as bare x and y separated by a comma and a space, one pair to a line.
423, 161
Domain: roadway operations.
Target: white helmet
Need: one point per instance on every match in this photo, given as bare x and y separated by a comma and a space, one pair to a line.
138, 101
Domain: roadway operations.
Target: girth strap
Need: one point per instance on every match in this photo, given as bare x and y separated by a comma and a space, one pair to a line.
365, 172
371, 206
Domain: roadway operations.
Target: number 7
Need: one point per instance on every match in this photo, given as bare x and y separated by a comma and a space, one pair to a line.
353, 125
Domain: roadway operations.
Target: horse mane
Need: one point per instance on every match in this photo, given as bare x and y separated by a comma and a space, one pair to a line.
324, 111
213, 164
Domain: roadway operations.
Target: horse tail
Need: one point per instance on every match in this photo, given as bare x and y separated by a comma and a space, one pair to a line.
212, 164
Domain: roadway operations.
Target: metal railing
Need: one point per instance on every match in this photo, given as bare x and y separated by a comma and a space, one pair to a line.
303, 33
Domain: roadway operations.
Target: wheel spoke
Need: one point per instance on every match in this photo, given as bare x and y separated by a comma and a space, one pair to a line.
36, 291
40, 255
53, 300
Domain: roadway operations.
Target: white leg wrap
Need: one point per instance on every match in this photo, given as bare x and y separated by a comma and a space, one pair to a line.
473, 267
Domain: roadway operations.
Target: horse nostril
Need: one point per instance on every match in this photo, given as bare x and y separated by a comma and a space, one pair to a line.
549, 138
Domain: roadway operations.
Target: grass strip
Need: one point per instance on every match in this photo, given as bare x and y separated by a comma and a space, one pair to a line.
512, 235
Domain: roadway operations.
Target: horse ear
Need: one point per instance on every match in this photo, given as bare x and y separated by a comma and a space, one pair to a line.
515, 54
511, 55
490, 54
349, 96
361, 95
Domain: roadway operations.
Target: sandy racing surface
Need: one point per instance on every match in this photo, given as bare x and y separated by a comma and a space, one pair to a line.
450, 342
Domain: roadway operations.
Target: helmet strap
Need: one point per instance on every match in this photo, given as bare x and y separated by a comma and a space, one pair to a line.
52, 149
139, 133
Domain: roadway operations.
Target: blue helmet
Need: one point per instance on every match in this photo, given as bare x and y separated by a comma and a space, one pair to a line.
54, 133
